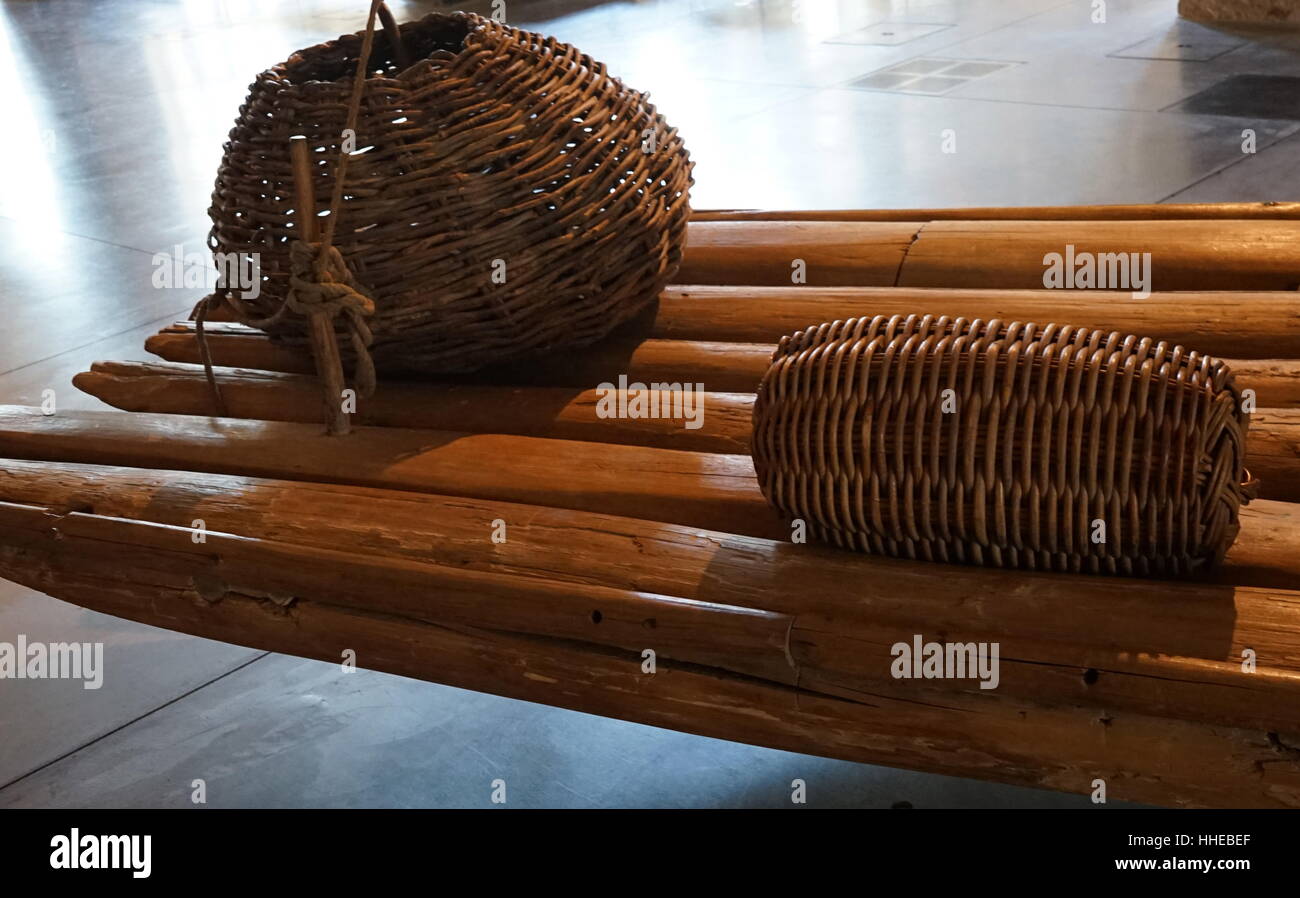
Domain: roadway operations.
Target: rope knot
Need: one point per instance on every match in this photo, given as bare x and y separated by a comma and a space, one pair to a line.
321, 283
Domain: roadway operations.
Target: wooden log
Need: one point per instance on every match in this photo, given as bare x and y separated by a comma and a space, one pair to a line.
831, 253
232, 346
693, 489
1273, 447
1235, 324
720, 367
975, 737
717, 367
1146, 212
832, 630
558, 413
1185, 255
1273, 452
1275, 382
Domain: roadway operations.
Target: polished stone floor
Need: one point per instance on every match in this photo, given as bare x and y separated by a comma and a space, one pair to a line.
114, 112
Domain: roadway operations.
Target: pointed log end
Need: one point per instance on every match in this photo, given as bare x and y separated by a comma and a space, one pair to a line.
154, 344
88, 381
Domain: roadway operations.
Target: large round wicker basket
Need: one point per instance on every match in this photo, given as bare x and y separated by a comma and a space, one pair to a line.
1012, 445
507, 195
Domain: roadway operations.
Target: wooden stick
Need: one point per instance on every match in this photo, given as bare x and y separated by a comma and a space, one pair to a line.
841, 639
717, 367
238, 347
1185, 255
1157, 212
303, 195
1273, 447
554, 412
688, 488
324, 344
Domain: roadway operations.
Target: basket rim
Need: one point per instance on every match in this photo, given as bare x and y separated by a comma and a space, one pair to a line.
477, 30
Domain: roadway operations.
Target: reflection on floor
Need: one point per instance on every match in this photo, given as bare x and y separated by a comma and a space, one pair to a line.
115, 112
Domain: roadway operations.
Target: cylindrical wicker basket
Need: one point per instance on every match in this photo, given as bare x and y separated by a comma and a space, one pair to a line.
507, 194
1011, 445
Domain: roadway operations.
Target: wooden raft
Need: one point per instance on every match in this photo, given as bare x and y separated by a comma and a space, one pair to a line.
495, 532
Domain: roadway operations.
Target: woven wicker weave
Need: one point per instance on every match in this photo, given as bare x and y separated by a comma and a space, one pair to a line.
1045, 431
495, 144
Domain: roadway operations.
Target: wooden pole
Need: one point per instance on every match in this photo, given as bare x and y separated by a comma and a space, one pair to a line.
719, 367
554, 412
1155, 212
1184, 255
1235, 324
1273, 452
